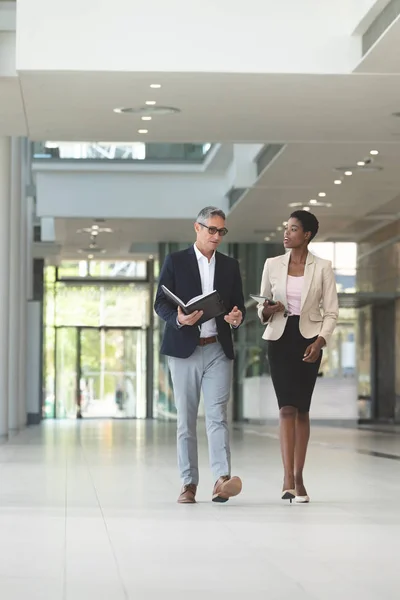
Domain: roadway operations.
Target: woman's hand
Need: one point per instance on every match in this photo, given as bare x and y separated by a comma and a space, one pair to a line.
271, 309
313, 351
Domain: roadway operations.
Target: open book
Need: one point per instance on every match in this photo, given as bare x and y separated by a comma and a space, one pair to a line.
211, 304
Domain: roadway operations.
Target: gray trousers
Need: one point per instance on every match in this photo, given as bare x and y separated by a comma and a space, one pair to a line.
209, 370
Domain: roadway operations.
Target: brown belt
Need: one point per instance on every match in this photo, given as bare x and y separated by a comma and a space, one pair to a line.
208, 340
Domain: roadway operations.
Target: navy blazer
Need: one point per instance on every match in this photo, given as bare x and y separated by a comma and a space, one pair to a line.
180, 274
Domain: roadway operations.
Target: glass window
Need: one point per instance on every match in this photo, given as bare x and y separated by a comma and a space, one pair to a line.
97, 305
120, 151
103, 269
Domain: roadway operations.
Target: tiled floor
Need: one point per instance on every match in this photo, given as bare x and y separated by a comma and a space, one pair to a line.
88, 511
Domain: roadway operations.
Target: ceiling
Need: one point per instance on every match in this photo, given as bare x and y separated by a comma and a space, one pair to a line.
326, 121
214, 107
129, 237
362, 203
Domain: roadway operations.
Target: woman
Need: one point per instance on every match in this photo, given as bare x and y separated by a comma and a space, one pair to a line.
297, 283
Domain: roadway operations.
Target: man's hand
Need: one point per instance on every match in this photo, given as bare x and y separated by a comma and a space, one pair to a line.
312, 353
235, 317
189, 319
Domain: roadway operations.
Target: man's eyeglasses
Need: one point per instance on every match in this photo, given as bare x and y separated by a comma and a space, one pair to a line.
213, 230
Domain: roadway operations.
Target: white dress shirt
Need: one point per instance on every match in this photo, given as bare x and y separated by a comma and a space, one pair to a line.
207, 273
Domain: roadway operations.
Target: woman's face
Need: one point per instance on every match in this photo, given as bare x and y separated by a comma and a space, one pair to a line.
295, 236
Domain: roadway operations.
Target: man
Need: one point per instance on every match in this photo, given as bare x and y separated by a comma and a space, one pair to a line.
200, 357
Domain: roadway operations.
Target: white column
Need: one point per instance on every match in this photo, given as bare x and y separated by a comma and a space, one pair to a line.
26, 177
5, 151
30, 215
15, 299
23, 305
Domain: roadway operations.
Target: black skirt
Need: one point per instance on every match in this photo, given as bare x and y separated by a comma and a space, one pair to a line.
292, 378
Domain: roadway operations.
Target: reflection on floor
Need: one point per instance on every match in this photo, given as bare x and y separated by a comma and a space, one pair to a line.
88, 510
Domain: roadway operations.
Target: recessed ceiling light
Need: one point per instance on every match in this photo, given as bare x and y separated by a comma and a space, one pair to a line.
307, 208
143, 131
155, 86
348, 173
95, 227
148, 110
326, 204
273, 234
284, 223
294, 204
90, 256
279, 228
337, 182
151, 102
313, 201
267, 239
322, 194
374, 152
146, 118
361, 163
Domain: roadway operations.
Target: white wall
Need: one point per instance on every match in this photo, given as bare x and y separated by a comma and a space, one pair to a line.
198, 36
244, 166
8, 16
119, 195
7, 54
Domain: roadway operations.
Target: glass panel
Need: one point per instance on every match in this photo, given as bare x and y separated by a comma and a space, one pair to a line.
92, 382
97, 306
136, 269
113, 373
120, 151
66, 372
126, 363
364, 362
49, 373
323, 250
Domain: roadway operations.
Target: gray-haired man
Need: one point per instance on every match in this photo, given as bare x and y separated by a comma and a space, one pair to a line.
200, 357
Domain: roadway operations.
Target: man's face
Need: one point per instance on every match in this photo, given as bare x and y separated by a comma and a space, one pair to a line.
207, 241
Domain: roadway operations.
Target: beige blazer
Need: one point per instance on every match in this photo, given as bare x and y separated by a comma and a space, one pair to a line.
319, 291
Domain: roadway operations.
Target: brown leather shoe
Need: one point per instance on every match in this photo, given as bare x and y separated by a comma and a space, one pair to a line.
188, 494
226, 487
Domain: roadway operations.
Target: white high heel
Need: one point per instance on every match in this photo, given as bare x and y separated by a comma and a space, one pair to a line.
302, 499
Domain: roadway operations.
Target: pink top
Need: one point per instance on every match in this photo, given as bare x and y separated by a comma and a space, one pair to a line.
293, 292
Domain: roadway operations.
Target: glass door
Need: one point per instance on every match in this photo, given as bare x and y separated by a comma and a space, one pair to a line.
91, 374
127, 364
67, 373
112, 371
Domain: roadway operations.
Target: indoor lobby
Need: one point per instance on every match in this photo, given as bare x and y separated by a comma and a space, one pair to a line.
119, 123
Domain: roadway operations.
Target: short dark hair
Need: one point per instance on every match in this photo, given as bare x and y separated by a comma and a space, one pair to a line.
308, 221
